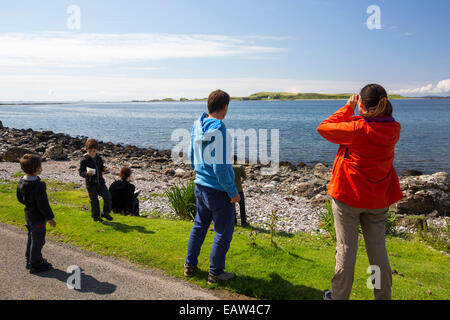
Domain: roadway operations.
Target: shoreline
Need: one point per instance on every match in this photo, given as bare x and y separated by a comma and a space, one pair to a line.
38, 103
299, 192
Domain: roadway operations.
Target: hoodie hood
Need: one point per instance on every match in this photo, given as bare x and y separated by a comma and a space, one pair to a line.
385, 133
206, 127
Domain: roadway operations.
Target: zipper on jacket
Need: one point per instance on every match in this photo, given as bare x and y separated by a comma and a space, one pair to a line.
346, 156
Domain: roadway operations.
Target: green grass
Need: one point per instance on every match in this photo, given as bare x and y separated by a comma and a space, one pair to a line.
300, 268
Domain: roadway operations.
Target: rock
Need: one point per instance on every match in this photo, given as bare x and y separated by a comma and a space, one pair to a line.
308, 189
321, 171
160, 159
136, 165
1, 125
433, 214
168, 172
285, 164
320, 200
14, 154
424, 194
55, 152
411, 173
179, 172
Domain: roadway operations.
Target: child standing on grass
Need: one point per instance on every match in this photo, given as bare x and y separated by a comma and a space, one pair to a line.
239, 176
215, 190
31, 192
92, 169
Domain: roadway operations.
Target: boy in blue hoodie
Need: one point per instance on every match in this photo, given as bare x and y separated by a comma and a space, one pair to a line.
216, 193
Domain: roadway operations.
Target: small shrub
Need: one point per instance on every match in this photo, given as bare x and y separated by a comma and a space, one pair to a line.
182, 200
391, 223
252, 238
272, 223
326, 220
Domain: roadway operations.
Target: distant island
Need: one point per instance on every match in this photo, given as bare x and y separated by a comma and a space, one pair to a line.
259, 96
284, 96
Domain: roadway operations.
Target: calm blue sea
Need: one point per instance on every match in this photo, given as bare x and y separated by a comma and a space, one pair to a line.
424, 143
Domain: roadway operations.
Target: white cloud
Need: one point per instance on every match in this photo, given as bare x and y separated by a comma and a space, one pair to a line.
35, 87
66, 49
442, 87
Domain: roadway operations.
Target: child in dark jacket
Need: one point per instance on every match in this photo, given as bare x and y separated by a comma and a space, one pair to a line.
92, 169
124, 195
31, 192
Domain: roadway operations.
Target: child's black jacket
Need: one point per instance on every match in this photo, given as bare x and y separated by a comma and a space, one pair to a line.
87, 161
34, 196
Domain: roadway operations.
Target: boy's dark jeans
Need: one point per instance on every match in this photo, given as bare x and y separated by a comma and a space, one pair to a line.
96, 190
241, 209
212, 205
35, 242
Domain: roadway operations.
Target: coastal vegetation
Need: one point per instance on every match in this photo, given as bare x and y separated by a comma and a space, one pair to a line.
278, 96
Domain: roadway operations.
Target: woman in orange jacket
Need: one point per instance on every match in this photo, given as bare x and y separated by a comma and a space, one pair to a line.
363, 185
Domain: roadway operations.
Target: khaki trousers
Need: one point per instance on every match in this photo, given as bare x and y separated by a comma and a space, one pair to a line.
373, 224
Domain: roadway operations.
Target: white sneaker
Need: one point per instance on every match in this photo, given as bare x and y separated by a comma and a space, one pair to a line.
327, 295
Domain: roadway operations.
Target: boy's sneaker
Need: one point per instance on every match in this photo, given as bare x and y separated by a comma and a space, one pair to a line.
98, 219
107, 216
45, 262
44, 266
327, 295
225, 276
189, 270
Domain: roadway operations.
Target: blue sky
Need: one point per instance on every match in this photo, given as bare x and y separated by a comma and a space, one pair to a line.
155, 49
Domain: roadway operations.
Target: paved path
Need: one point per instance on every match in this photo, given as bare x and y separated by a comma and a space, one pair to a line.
101, 278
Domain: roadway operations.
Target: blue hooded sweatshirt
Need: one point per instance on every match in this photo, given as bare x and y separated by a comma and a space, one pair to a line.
210, 155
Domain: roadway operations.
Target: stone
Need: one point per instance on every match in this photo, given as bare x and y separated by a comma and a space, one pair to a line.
321, 171
179, 172
424, 194
169, 172
14, 154
411, 173
308, 189
320, 200
55, 152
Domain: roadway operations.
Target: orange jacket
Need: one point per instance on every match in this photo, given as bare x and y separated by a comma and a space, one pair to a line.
363, 174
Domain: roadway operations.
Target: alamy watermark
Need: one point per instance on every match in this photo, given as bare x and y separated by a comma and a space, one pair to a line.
214, 148
74, 280
374, 281
374, 20
74, 20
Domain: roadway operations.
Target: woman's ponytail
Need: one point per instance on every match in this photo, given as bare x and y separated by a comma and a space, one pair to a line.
375, 100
